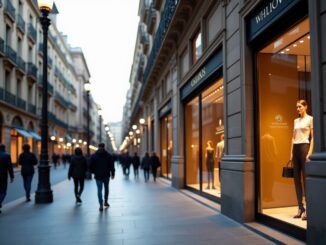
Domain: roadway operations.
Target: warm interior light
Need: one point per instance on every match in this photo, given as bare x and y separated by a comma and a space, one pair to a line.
134, 127
87, 87
142, 121
52, 138
45, 5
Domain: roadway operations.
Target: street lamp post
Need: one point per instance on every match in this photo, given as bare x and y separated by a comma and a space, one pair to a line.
144, 125
87, 87
44, 193
100, 113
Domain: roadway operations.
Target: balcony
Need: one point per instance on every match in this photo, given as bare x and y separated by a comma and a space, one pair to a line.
20, 24
31, 109
60, 99
151, 19
72, 106
10, 56
31, 33
56, 121
31, 71
144, 11
21, 65
2, 47
21, 103
40, 85
9, 11
50, 62
10, 98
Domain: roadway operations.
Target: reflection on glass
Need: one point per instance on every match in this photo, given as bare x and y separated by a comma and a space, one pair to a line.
283, 78
212, 104
192, 144
197, 47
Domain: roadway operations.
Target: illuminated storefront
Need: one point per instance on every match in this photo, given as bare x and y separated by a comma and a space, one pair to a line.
204, 128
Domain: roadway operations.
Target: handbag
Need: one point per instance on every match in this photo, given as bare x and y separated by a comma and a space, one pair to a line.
288, 170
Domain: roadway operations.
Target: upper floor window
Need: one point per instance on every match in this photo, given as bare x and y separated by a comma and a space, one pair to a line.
197, 47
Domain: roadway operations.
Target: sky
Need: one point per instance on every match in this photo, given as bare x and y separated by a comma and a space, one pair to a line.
106, 32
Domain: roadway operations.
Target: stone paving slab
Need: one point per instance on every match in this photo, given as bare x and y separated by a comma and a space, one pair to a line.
140, 213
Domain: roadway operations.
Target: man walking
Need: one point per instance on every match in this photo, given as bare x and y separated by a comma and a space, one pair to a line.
5, 169
155, 163
27, 160
102, 166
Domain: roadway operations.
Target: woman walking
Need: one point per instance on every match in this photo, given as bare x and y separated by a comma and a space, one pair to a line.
77, 171
27, 160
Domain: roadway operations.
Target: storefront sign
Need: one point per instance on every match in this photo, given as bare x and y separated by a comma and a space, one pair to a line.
266, 14
165, 109
212, 65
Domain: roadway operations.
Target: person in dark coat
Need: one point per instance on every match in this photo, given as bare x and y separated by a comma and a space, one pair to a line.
127, 163
102, 166
135, 163
77, 171
55, 159
155, 163
146, 164
5, 169
27, 160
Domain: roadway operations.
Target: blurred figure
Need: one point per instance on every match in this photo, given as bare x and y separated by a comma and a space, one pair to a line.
135, 163
5, 169
55, 159
77, 171
127, 162
146, 164
102, 166
27, 160
155, 163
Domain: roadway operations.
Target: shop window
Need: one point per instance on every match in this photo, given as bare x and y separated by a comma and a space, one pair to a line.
166, 146
197, 47
204, 120
192, 144
212, 104
283, 68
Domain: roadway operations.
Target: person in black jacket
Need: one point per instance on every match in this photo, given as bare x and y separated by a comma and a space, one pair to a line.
146, 164
135, 163
155, 163
77, 171
5, 169
127, 163
27, 160
102, 166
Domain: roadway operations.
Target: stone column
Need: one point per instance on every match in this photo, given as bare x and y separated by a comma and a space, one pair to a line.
316, 168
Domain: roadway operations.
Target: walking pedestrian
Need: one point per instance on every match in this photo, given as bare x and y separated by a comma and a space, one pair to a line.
5, 169
135, 163
146, 164
155, 163
77, 171
55, 159
102, 166
27, 160
127, 162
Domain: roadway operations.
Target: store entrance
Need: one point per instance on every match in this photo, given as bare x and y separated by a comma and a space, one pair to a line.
283, 73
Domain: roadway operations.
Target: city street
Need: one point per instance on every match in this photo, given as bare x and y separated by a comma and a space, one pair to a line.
140, 213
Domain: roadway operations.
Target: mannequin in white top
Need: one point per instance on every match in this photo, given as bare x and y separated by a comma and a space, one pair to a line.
301, 149
219, 154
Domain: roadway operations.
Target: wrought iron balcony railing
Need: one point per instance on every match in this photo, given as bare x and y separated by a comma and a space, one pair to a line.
21, 63
21, 23
21, 103
31, 108
31, 70
11, 54
31, 32
10, 10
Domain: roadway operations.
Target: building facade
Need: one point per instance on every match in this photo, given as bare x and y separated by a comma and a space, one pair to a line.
218, 90
21, 62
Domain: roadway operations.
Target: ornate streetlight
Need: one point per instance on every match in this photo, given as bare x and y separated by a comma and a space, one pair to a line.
87, 87
100, 113
44, 193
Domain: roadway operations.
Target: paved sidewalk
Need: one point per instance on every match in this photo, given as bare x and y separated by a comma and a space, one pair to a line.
151, 213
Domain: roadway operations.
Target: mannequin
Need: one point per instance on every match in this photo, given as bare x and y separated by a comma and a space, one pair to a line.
301, 149
210, 163
219, 154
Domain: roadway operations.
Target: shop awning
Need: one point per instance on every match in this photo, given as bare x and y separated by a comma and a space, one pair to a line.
35, 135
23, 133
